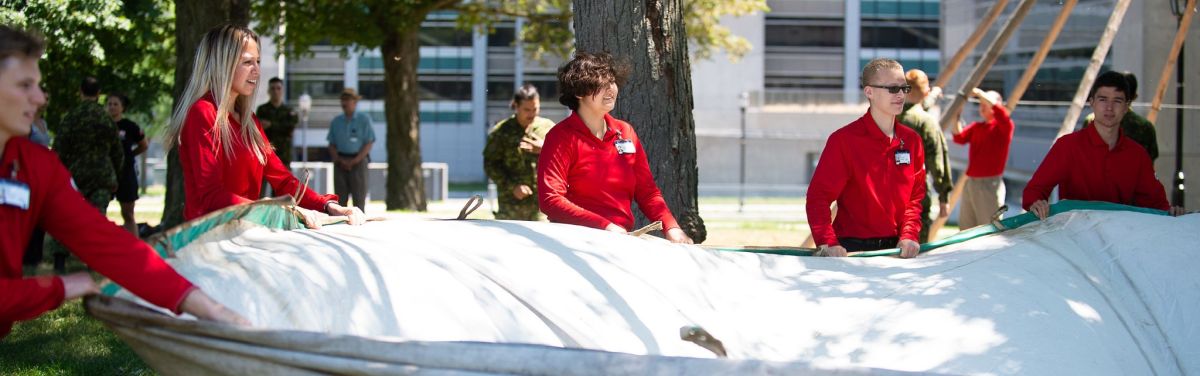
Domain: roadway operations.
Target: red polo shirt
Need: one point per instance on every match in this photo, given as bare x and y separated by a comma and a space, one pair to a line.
989, 144
1083, 168
876, 197
583, 181
59, 209
213, 181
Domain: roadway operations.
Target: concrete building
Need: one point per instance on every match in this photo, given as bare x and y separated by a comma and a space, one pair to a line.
1141, 47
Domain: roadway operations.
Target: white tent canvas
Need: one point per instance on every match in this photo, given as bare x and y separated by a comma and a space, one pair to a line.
1085, 292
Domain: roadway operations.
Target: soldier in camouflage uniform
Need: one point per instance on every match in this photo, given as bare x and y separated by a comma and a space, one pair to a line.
278, 121
510, 157
1133, 125
87, 143
937, 156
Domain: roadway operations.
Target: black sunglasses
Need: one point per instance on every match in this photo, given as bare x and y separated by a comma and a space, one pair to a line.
895, 89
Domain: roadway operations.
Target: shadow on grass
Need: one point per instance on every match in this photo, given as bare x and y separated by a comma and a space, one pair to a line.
67, 342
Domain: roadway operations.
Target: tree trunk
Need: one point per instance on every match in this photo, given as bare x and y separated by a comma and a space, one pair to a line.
657, 99
405, 183
192, 20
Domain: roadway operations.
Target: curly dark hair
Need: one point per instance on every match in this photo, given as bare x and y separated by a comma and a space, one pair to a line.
1113, 79
588, 74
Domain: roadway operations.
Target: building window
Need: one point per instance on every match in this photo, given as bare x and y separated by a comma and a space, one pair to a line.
909, 9
500, 90
900, 36
318, 89
446, 90
502, 36
789, 32
442, 36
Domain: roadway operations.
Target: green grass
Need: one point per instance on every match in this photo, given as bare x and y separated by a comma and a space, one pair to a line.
67, 341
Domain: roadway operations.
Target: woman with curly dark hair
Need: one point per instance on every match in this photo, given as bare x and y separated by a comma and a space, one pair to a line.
592, 165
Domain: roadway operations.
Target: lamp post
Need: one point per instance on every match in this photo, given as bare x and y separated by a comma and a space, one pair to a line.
305, 107
743, 102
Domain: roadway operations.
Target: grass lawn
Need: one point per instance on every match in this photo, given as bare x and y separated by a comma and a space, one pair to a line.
67, 342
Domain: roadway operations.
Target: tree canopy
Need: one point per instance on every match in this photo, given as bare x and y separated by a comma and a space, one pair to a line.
127, 44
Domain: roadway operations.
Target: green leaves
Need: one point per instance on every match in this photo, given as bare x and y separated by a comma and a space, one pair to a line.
127, 44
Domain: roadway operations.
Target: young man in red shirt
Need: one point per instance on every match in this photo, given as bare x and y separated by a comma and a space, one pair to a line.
874, 169
1098, 163
983, 193
36, 191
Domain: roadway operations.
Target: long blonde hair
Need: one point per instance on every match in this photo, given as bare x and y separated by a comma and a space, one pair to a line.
212, 72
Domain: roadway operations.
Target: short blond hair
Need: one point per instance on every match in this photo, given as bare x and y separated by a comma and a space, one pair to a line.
874, 66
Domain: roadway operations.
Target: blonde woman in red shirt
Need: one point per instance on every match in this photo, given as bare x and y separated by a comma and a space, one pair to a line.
38, 193
222, 148
592, 166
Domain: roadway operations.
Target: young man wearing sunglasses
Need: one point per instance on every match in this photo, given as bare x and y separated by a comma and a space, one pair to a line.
874, 169
983, 193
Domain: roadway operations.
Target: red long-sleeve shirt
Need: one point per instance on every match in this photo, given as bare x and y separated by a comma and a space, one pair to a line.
1083, 168
59, 209
876, 197
584, 181
213, 181
989, 141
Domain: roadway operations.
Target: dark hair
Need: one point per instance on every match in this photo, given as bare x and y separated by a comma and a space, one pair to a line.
274, 80
121, 97
20, 43
90, 86
1112, 79
874, 66
588, 74
1132, 80
524, 93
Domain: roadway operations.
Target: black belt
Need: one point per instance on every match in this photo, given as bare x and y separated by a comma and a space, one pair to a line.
868, 244
348, 155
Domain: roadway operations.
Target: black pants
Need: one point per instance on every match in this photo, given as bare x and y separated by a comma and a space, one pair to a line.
33, 251
868, 244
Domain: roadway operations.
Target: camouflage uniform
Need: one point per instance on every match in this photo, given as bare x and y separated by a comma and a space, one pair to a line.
88, 144
937, 159
508, 166
283, 123
1137, 128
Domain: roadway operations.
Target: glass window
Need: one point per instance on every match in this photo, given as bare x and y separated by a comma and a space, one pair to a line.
444, 36
500, 90
458, 90
796, 32
321, 89
900, 36
503, 36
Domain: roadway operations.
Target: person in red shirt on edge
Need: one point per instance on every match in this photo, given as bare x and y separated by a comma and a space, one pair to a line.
1098, 163
223, 161
36, 190
874, 169
983, 193
592, 165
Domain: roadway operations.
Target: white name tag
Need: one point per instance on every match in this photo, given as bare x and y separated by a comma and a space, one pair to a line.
625, 147
14, 193
903, 157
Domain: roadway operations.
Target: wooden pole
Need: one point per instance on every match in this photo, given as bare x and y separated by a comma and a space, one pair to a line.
1089, 76
1031, 71
1169, 67
985, 63
972, 41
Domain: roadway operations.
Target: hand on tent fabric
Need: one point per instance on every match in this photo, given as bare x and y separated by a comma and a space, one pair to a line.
199, 304
676, 235
312, 218
831, 251
908, 248
76, 285
943, 210
353, 214
1040, 208
1177, 211
614, 228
